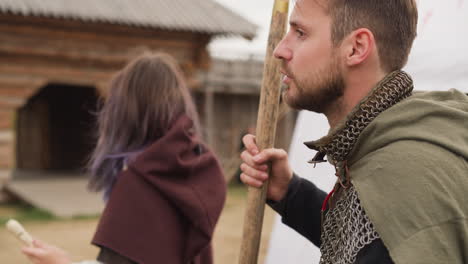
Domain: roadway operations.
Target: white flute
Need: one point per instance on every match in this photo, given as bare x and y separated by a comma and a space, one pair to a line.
18, 230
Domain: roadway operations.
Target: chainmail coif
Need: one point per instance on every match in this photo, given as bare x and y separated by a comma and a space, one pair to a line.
340, 141
346, 228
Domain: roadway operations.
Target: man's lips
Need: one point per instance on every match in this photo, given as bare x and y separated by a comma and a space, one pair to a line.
286, 77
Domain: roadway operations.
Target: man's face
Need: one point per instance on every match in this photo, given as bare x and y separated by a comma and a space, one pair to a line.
310, 63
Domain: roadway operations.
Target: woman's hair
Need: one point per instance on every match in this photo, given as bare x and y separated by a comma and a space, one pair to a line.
142, 102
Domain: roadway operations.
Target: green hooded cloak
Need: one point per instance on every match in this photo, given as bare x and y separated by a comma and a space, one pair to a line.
409, 167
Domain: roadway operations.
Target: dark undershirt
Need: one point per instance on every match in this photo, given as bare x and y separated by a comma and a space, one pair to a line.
301, 208
108, 256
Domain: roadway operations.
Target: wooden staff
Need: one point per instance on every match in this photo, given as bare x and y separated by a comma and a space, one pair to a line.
266, 130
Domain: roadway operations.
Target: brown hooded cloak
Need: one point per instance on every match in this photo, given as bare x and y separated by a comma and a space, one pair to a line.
164, 207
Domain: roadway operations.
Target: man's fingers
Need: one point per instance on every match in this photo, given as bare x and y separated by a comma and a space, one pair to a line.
250, 181
256, 174
250, 144
260, 160
247, 158
269, 155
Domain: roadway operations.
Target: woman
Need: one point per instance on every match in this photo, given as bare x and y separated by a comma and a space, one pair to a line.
164, 188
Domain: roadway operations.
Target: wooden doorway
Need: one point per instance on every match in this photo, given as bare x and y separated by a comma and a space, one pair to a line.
55, 128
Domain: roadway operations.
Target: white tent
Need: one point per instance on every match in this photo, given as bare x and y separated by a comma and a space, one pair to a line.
439, 61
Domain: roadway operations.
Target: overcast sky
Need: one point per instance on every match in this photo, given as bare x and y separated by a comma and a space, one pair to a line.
257, 12
440, 45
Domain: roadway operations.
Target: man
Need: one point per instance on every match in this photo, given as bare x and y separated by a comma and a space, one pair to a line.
400, 158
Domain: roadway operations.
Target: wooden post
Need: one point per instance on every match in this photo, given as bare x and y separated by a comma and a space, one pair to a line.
209, 109
266, 129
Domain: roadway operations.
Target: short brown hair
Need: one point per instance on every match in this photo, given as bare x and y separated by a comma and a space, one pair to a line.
393, 23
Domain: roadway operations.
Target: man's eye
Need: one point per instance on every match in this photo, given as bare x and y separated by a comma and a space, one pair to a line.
299, 33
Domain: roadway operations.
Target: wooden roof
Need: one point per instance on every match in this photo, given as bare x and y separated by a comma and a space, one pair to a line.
204, 16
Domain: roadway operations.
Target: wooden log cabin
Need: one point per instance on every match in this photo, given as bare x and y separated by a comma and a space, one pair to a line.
228, 103
57, 56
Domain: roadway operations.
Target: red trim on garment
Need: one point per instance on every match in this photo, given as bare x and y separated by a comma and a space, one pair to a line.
324, 205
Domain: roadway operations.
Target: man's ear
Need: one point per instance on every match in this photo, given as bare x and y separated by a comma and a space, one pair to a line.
358, 45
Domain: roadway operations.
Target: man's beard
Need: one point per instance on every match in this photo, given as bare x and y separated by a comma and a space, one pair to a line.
319, 91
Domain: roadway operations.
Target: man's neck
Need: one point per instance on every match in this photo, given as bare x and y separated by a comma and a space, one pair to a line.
355, 90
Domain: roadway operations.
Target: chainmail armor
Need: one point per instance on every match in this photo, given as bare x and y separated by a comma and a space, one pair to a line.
346, 228
395, 87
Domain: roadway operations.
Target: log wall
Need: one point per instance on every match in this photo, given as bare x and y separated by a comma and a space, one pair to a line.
39, 52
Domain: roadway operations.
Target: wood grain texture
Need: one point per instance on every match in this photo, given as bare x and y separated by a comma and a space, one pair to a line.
266, 130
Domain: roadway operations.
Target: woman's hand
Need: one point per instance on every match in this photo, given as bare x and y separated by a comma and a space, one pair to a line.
42, 253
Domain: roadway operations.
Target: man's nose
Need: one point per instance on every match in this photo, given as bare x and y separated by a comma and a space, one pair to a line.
281, 51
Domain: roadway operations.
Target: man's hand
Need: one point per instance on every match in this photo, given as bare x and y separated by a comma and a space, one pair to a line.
254, 168
42, 253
